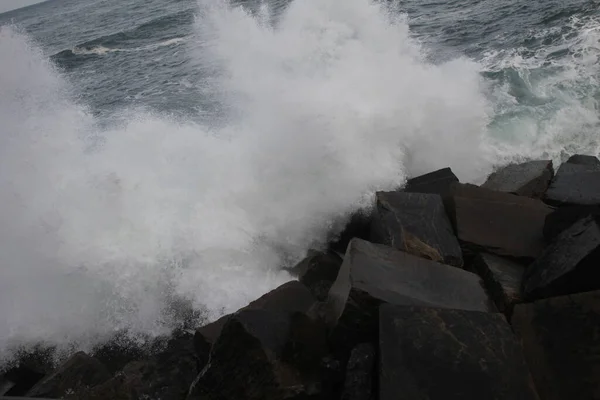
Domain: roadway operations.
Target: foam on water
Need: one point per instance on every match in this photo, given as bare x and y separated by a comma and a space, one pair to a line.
103, 229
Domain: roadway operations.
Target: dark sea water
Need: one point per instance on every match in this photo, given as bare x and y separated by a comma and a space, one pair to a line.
165, 151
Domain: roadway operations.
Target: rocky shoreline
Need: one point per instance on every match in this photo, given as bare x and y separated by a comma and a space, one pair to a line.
445, 291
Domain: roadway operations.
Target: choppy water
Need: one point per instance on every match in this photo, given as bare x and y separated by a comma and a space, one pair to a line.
166, 150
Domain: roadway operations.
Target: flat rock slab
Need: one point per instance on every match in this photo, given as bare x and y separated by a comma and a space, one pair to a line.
570, 264
561, 342
416, 223
529, 179
563, 217
503, 280
437, 182
373, 274
431, 354
575, 184
584, 160
496, 222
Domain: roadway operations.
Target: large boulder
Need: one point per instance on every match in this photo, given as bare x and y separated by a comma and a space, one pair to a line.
529, 179
291, 296
432, 353
360, 373
495, 222
503, 279
561, 344
584, 160
264, 355
563, 217
570, 264
416, 223
28, 369
318, 272
78, 372
357, 226
436, 182
575, 184
373, 274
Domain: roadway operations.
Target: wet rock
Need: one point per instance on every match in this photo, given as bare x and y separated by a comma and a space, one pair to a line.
318, 272
529, 179
496, 222
373, 274
575, 184
359, 226
503, 280
416, 223
119, 352
568, 265
584, 160
166, 375
264, 355
431, 353
437, 182
562, 344
360, 373
291, 296
563, 217
31, 366
78, 372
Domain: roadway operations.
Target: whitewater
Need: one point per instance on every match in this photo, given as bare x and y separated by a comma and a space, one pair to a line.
123, 226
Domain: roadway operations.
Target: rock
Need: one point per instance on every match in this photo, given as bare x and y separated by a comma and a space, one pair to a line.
575, 184
318, 272
496, 222
584, 160
437, 182
373, 274
529, 179
503, 280
166, 375
78, 372
416, 223
563, 217
264, 355
570, 264
31, 366
432, 353
562, 345
119, 352
359, 226
291, 296
360, 373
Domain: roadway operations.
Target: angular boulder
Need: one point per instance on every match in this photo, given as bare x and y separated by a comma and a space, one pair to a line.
360, 373
373, 274
570, 264
496, 222
416, 223
31, 366
584, 160
503, 280
529, 179
575, 184
562, 345
264, 355
432, 353
78, 372
291, 296
358, 226
437, 182
318, 272
563, 217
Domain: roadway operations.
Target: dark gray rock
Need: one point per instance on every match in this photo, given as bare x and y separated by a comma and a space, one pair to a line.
358, 226
570, 264
360, 373
437, 182
584, 160
28, 369
563, 217
431, 354
503, 280
78, 372
529, 179
562, 345
291, 296
575, 184
416, 223
264, 355
495, 222
373, 274
318, 271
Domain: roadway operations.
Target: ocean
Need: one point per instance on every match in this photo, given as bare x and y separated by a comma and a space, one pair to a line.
163, 156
